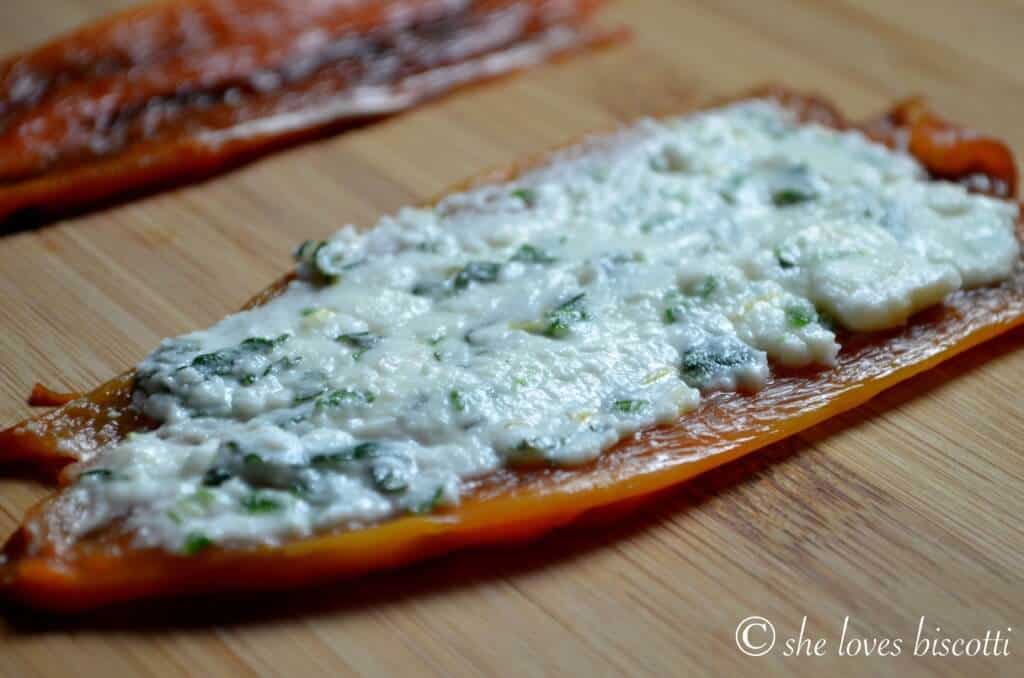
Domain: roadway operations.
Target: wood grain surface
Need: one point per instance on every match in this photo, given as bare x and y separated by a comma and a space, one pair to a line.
908, 507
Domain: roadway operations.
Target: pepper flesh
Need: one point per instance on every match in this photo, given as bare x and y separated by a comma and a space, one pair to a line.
42, 396
43, 570
182, 90
949, 151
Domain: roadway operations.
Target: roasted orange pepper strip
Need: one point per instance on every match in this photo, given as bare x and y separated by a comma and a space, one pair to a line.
43, 396
182, 90
43, 570
949, 151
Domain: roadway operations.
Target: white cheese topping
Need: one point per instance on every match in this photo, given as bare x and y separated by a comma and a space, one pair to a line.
536, 322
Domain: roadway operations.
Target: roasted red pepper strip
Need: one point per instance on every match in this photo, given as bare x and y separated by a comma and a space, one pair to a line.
40, 567
182, 90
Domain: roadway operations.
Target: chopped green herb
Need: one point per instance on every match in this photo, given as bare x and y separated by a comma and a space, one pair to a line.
456, 401
201, 498
556, 329
558, 321
331, 458
172, 349
528, 254
219, 363
784, 197
216, 476
470, 336
327, 268
388, 478
345, 396
306, 394
533, 451
670, 316
285, 363
631, 406
204, 498
473, 272
299, 488
360, 342
326, 265
649, 225
261, 503
365, 450
700, 365
431, 504
96, 474
192, 505
248, 380
429, 247
262, 344
359, 452
196, 542
308, 311
252, 459
222, 363
297, 419
799, 316
527, 195
786, 259
305, 251
426, 289
476, 271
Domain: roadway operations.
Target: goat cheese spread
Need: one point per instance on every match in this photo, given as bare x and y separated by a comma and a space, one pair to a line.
535, 322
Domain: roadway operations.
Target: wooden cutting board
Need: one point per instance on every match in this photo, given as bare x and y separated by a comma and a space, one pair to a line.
908, 507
